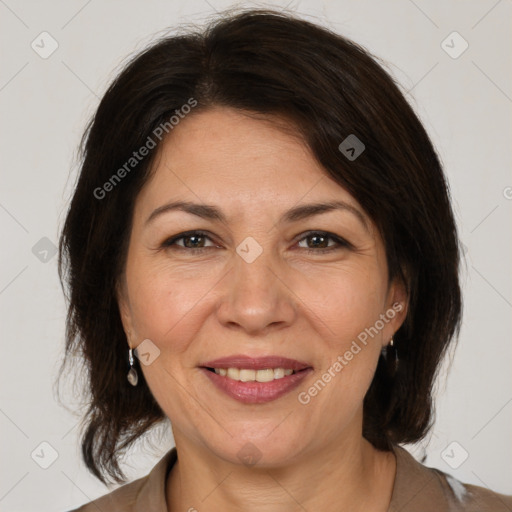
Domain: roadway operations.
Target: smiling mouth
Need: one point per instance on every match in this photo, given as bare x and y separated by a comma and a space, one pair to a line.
250, 375
255, 379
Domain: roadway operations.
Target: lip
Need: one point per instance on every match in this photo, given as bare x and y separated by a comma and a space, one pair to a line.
256, 392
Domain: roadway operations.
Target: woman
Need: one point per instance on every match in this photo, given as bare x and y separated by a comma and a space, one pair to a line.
261, 249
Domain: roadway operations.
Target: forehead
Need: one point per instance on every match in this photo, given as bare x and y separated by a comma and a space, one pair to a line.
232, 143
225, 157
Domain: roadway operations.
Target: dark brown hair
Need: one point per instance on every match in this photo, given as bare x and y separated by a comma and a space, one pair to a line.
267, 63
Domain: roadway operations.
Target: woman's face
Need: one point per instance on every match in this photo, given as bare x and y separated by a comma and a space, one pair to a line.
258, 283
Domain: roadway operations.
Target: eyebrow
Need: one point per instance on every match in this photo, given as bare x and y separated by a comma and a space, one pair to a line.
210, 212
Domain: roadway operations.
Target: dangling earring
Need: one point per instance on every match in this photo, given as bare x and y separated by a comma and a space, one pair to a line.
132, 376
392, 356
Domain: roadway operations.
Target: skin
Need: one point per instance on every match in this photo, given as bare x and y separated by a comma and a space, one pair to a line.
198, 306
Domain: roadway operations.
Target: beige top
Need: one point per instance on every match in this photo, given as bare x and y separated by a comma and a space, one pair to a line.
417, 488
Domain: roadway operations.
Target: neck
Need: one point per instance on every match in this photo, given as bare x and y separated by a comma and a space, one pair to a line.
348, 477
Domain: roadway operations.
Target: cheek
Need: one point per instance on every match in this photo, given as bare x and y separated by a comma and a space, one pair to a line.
165, 306
350, 311
351, 303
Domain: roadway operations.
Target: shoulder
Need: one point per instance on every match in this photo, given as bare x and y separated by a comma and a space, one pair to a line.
419, 488
482, 499
146, 493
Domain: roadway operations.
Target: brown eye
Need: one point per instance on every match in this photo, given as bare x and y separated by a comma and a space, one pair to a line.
192, 240
317, 242
320, 241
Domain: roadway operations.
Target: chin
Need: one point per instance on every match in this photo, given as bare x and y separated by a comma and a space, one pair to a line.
261, 451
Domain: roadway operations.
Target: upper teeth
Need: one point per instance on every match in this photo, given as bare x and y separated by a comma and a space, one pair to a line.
246, 375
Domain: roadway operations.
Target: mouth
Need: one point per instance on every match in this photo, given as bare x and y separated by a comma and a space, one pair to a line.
255, 380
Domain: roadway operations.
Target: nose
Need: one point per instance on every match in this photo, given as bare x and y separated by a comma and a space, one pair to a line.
255, 297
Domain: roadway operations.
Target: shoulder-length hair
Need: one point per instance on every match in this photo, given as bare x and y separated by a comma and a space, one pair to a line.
267, 63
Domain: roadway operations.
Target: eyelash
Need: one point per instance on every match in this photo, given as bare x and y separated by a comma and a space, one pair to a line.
339, 241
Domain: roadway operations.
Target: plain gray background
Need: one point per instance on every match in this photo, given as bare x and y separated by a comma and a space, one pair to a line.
464, 100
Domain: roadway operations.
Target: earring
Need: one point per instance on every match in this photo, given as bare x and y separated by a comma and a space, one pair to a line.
392, 355
132, 376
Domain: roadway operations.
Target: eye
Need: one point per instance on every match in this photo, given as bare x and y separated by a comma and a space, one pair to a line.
320, 240
194, 241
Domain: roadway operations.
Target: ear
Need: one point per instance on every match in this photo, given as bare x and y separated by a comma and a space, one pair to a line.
124, 309
397, 305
